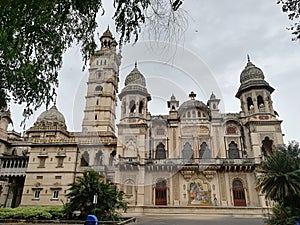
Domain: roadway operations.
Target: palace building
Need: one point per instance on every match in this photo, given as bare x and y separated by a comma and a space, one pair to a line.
194, 157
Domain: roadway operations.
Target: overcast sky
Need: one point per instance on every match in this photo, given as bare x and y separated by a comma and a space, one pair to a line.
208, 58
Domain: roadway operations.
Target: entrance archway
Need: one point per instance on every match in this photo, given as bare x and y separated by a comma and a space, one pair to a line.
238, 193
161, 193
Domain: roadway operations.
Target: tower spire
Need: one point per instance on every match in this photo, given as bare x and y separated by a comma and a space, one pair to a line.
248, 58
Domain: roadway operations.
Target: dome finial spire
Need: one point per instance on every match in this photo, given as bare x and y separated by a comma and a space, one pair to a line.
248, 58
135, 64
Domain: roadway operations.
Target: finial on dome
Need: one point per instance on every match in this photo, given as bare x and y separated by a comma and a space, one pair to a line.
135, 64
192, 95
248, 57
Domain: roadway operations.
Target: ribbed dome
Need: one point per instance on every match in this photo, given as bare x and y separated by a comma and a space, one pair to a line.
251, 72
51, 116
135, 78
252, 77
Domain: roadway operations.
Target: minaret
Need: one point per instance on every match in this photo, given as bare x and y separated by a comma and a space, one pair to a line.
99, 113
263, 129
133, 126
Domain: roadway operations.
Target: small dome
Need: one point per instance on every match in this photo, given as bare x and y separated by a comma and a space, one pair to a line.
212, 96
51, 116
251, 72
107, 33
173, 98
135, 78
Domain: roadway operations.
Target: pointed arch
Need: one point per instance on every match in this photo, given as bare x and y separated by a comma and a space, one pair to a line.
160, 151
85, 158
204, 152
249, 103
266, 148
187, 152
238, 192
99, 158
141, 107
132, 106
161, 192
233, 151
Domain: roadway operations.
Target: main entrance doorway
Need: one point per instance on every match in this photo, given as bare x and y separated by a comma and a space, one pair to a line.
161, 193
238, 193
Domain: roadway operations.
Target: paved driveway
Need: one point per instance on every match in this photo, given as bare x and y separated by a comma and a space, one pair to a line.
195, 220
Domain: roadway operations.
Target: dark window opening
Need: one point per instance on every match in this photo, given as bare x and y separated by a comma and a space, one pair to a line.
85, 158
141, 107
267, 144
160, 151
249, 103
187, 152
233, 151
132, 106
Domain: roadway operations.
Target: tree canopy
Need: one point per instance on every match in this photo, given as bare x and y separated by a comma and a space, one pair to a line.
280, 175
292, 8
35, 34
82, 192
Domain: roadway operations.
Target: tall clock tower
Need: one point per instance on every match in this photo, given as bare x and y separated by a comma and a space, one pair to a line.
99, 113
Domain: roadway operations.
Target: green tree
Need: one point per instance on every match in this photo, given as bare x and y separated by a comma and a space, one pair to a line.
280, 175
292, 8
35, 34
81, 195
279, 180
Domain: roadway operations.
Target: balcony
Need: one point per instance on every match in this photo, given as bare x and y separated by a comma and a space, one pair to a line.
13, 166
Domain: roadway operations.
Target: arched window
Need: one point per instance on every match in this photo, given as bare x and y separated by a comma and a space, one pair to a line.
193, 113
260, 101
266, 148
189, 114
187, 152
141, 107
85, 158
161, 192
97, 102
199, 114
249, 103
112, 157
99, 88
160, 151
99, 158
129, 184
204, 152
233, 151
96, 117
132, 106
238, 193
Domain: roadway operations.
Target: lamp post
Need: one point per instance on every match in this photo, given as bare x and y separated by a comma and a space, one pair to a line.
95, 200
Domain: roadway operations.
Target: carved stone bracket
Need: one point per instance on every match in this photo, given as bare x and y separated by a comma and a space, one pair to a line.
209, 174
188, 171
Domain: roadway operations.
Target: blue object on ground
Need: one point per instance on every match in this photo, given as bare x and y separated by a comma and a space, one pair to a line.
91, 220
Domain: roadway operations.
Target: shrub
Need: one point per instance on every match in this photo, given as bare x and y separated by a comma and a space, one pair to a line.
32, 212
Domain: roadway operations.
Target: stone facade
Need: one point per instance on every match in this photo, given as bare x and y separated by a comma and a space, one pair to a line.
193, 156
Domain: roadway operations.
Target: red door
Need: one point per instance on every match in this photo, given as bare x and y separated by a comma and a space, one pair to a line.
238, 193
160, 196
